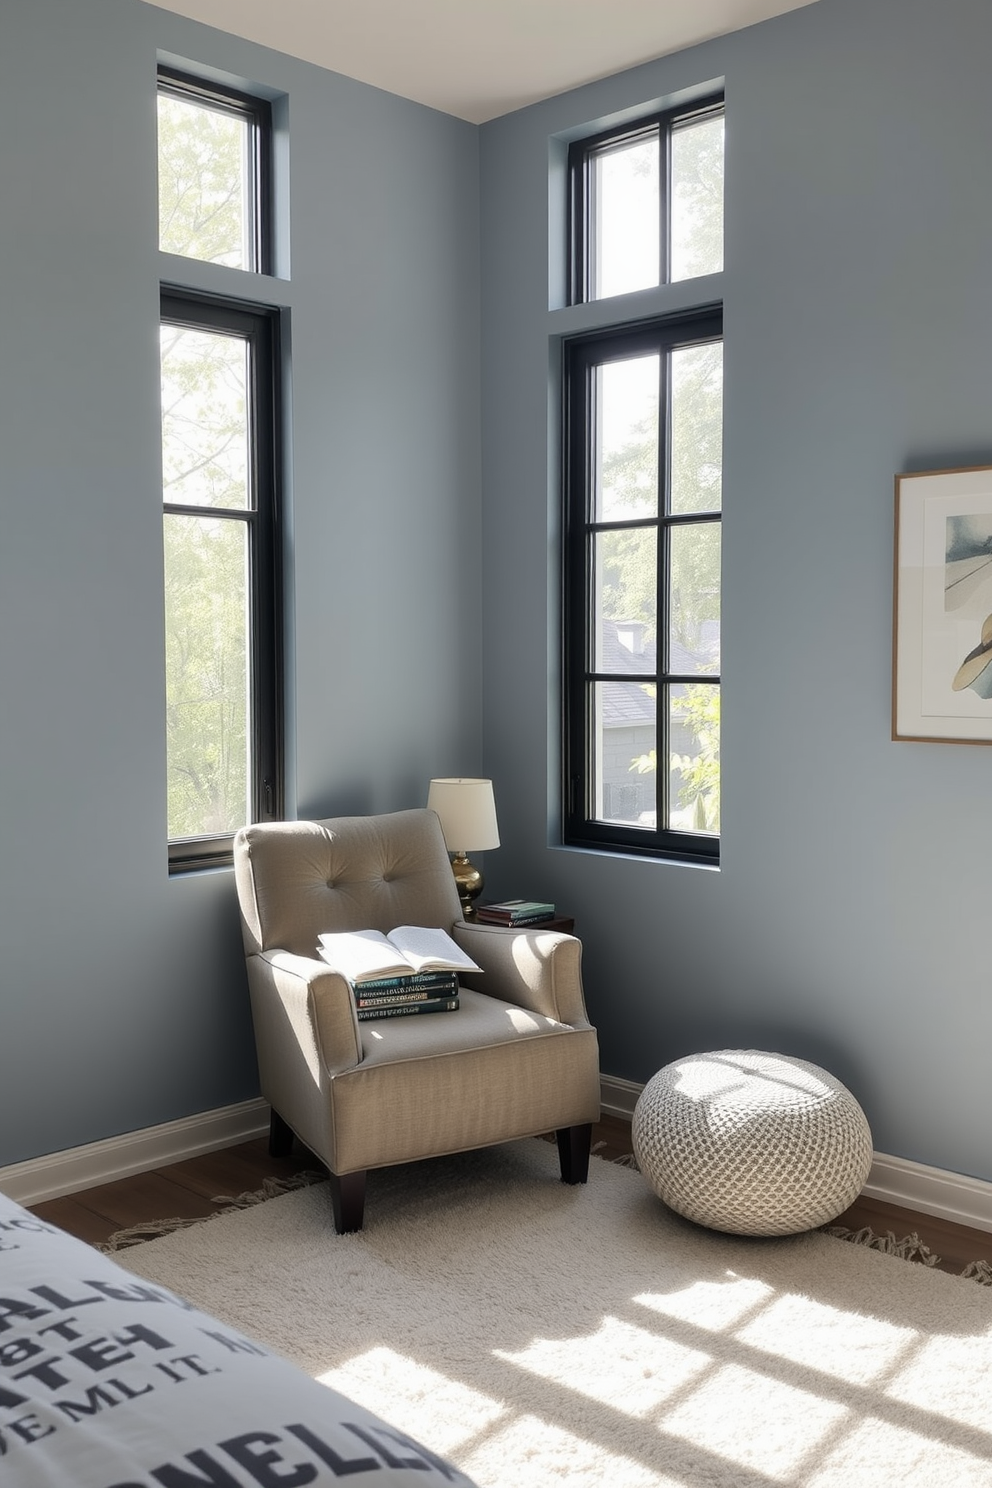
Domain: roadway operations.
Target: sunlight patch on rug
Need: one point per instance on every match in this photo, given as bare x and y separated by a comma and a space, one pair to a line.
406, 1388
785, 1424
533, 1450
968, 1361
645, 1370
714, 1305
802, 1330
488, 1438
911, 1458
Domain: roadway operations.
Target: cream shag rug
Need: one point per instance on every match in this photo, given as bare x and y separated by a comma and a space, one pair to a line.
538, 1334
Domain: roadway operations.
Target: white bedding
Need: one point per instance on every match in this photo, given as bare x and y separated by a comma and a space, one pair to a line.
109, 1382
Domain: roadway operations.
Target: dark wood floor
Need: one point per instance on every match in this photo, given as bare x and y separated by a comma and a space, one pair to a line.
186, 1190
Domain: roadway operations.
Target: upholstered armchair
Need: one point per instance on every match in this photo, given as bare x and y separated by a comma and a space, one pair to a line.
518, 1057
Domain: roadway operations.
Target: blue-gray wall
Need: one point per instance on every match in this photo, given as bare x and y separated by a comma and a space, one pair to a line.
848, 921
122, 992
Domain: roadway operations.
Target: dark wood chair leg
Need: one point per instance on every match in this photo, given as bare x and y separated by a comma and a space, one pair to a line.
574, 1143
280, 1136
348, 1200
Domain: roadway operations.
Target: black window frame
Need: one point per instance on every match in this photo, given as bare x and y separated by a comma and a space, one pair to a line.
257, 112
582, 155
260, 325
582, 354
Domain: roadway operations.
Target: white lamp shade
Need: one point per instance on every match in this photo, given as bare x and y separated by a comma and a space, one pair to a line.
467, 811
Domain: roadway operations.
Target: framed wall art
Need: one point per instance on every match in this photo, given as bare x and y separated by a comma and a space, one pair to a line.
942, 644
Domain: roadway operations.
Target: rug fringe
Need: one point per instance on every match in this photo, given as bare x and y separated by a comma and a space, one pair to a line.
907, 1248
625, 1160
979, 1271
152, 1229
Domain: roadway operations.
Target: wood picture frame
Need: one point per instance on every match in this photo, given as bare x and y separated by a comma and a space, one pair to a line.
942, 602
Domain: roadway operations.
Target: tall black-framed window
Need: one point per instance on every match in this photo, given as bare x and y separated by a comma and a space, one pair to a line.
214, 173
223, 634
642, 546
646, 203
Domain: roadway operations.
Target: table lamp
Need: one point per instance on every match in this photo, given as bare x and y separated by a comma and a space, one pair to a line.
467, 812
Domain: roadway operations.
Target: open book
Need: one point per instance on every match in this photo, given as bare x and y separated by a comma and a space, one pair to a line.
409, 950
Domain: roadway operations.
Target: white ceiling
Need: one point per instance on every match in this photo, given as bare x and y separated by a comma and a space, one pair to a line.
479, 58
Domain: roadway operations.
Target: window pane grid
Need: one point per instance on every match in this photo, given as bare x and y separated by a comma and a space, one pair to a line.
644, 749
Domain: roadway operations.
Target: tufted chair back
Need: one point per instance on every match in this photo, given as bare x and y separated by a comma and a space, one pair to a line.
297, 879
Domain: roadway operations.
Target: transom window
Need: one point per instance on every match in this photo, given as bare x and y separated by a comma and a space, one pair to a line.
213, 173
647, 203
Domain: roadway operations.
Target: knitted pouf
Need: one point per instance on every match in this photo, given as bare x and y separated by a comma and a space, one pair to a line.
751, 1143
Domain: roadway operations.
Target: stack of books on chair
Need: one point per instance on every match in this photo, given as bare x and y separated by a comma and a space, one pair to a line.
516, 912
413, 969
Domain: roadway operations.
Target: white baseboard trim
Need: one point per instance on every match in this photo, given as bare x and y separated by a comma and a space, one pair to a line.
60, 1173
618, 1097
912, 1185
892, 1180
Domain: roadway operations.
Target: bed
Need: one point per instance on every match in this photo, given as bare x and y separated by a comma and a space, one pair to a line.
109, 1382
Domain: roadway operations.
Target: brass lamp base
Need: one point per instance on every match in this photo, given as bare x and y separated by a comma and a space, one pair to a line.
468, 881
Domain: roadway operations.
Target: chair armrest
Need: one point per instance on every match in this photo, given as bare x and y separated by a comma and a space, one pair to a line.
315, 998
540, 970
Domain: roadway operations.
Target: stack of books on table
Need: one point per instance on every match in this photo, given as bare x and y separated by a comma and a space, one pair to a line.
411, 970
516, 912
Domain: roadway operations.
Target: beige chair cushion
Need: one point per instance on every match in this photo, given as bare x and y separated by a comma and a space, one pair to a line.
449, 1082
